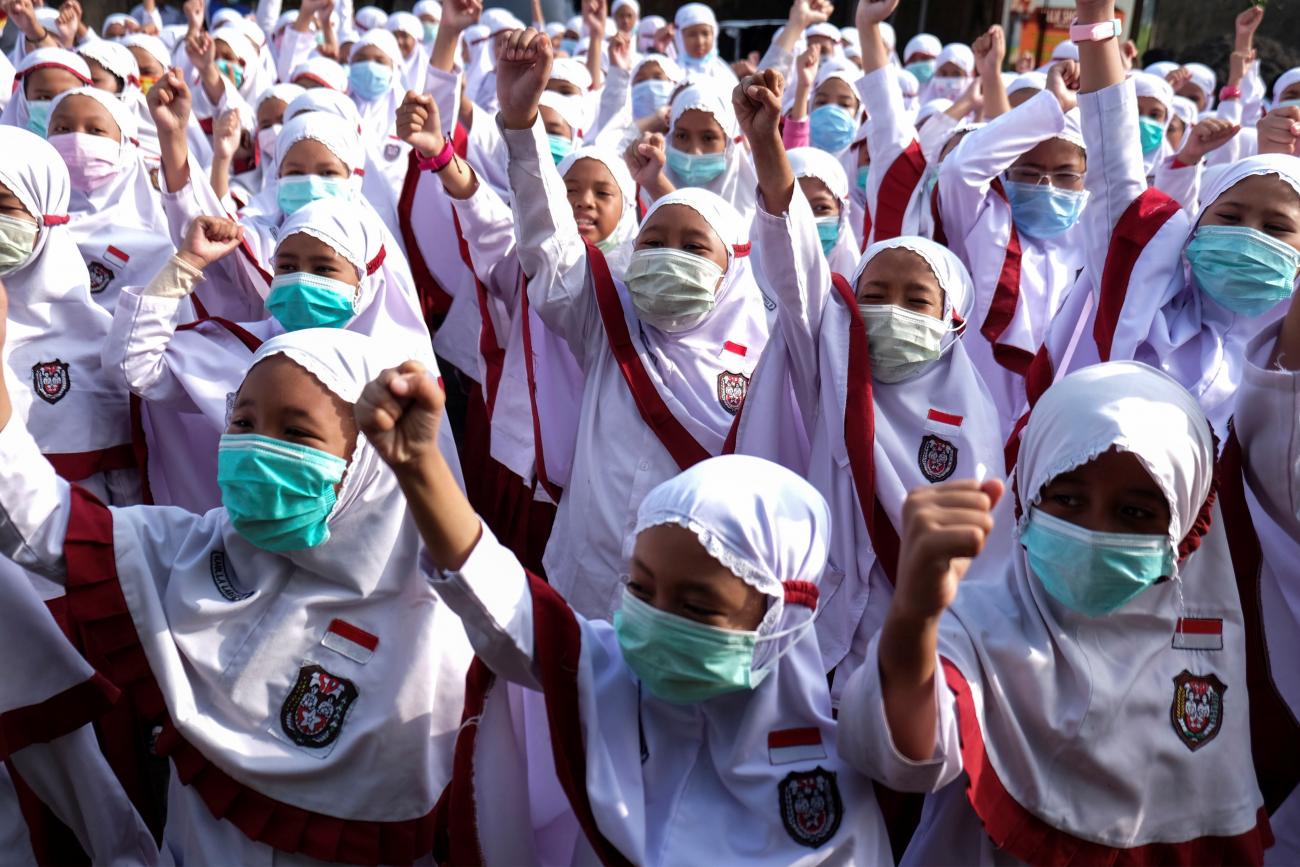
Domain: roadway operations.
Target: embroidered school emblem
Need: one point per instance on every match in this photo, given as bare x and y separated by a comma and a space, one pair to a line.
223, 580
51, 380
100, 276
938, 458
392, 152
811, 808
731, 391
1197, 709
312, 714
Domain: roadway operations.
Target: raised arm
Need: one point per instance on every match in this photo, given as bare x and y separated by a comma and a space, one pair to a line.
990, 52
457, 16
803, 14
594, 14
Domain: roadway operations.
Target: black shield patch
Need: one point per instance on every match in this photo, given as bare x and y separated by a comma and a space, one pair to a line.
100, 276
937, 457
1197, 708
811, 808
51, 380
732, 388
313, 712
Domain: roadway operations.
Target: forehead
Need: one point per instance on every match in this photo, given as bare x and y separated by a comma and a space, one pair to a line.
898, 264
697, 120
310, 149
698, 30
84, 107
815, 187
1052, 153
591, 171
1264, 191
836, 87
303, 244
683, 217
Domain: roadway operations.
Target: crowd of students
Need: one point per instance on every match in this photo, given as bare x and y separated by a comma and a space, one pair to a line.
430, 438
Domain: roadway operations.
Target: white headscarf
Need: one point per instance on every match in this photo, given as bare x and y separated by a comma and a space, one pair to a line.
1028, 81
368, 18
1108, 700
1205, 80
922, 43
286, 93
117, 59
379, 116
413, 67
809, 162
646, 30
939, 87
15, 113
689, 15
1156, 88
1285, 80
322, 70
737, 182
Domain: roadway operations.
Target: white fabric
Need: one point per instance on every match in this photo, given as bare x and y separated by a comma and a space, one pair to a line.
709, 66
922, 43
379, 116
413, 67
809, 162
15, 112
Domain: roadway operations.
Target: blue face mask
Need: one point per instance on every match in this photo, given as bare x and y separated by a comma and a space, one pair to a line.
696, 170
232, 71
430, 33
561, 147
1153, 133
303, 300
681, 661
370, 79
831, 128
278, 494
828, 231
1287, 102
1043, 211
649, 96
1089, 572
1241, 268
864, 172
922, 69
697, 64
569, 46
294, 191
38, 115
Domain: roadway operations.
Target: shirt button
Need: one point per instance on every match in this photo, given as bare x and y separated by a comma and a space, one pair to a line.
645, 465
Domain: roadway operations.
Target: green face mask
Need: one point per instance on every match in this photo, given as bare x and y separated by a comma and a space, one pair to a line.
38, 115
1153, 133
682, 661
561, 147
302, 300
278, 494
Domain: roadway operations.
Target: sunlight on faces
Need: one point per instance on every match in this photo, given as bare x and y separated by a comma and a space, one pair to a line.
1194, 93
820, 198
270, 112
1263, 202
1152, 108
901, 277
1177, 129
405, 43
671, 571
11, 206
371, 52
281, 400
650, 71
149, 65
625, 19
49, 82
596, 200
1051, 157
101, 77
553, 123
309, 157
1022, 96
836, 91
683, 228
1112, 493
698, 132
301, 252
698, 39
83, 114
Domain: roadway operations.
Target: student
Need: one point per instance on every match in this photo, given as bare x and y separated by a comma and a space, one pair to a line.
1111, 495
695, 37
821, 178
294, 642
666, 364
269, 111
42, 75
865, 388
707, 725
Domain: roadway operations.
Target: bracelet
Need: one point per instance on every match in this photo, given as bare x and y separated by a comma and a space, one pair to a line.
439, 161
1229, 92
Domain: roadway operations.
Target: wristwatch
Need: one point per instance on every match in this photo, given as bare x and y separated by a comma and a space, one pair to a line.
1096, 32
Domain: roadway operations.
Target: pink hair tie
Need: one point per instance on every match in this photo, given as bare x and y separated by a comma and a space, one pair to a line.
440, 161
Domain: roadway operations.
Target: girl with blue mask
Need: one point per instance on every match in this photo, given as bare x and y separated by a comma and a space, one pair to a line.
375, 82
1102, 562
313, 558
833, 121
558, 117
713, 635
653, 81
824, 185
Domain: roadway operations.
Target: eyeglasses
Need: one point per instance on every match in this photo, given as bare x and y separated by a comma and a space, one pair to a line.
1036, 177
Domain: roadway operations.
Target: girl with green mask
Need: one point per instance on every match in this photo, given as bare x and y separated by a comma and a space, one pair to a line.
698, 722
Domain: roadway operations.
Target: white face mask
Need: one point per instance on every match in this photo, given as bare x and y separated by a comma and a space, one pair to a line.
266, 138
903, 342
17, 240
671, 289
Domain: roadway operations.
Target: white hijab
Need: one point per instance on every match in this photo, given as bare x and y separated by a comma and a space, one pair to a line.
738, 180
15, 112
809, 162
413, 69
379, 115
689, 15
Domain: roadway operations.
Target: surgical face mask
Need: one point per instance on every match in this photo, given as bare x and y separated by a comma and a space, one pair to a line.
697, 64
561, 147
301, 300
569, 46
1241, 268
370, 79
649, 96
1089, 572
17, 241
828, 232
902, 342
1284, 103
831, 128
948, 86
1043, 211
294, 191
266, 138
233, 71
38, 115
430, 32
681, 661
863, 173
671, 289
278, 494
922, 69
1153, 133
696, 170
92, 160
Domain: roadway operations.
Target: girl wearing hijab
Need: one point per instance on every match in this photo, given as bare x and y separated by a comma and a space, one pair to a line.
634, 100
666, 734
409, 33
696, 40
294, 642
919, 55
666, 361
865, 388
826, 189
42, 75
153, 59
954, 67
270, 110
375, 82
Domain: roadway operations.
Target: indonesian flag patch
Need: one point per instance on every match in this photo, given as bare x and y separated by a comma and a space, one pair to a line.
795, 745
351, 641
1199, 633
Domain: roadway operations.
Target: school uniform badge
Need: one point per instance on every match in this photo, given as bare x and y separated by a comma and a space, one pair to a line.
1197, 709
312, 714
100, 277
937, 457
732, 388
51, 380
811, 808
392, 151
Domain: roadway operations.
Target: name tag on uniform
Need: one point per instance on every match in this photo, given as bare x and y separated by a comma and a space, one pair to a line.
351, 641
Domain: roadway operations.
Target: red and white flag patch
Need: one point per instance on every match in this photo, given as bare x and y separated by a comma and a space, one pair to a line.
1199, 633
119, 255
937, 419
795, 745
351, 641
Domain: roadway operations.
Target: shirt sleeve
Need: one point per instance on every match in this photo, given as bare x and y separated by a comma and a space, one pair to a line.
1180, 182
796, 133
489, 229
613, 96
444, 87
34, 505
866, 743
490, 595
1267, 422
294, 49
1116, 171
